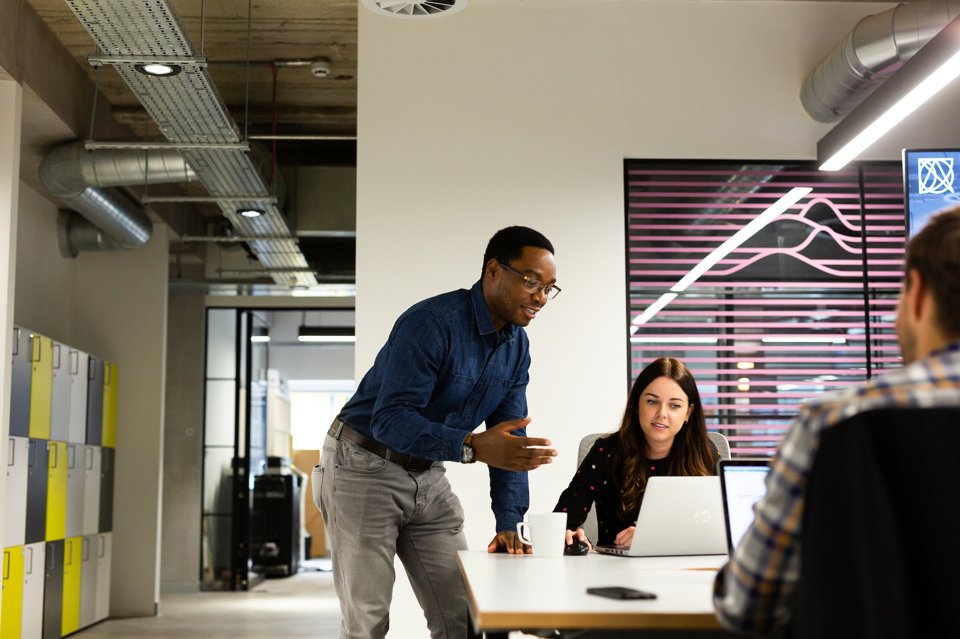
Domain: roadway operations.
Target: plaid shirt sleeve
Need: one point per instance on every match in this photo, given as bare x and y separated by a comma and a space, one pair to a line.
753, 592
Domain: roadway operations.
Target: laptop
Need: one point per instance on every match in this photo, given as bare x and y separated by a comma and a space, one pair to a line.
742, 483
678, 516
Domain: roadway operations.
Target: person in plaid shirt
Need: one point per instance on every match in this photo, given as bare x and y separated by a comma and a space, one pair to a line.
753, 592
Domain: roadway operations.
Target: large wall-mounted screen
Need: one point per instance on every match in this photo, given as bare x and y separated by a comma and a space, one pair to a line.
931, 182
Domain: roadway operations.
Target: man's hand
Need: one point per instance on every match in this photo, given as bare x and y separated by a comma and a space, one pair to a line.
497, 447
509, 541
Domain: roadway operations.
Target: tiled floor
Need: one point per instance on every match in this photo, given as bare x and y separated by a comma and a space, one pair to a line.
300, 607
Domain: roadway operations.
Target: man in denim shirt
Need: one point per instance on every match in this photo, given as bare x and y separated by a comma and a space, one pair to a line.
451, 362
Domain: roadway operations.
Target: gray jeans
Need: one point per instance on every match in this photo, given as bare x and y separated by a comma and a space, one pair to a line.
373, 509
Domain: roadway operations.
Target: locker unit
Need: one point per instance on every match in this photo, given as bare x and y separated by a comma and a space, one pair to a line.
53, 589
15, 501
56, 491
31, 626
107, 457
91, 490
77, 363
20, 384
88, 580
109, 439
75, 479
104, 550
36, 522
60, 394
41, 386
11, 615
72, 562
94, 400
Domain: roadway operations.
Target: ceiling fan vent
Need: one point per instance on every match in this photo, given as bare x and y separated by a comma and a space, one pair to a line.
415, 8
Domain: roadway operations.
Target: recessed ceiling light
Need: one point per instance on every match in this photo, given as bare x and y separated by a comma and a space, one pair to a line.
250, 212
158, 69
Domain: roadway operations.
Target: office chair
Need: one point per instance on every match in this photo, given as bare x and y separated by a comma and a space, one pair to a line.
880, 556
590, 524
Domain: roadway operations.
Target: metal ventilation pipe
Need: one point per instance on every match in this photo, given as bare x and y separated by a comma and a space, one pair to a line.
875, 48
113, 221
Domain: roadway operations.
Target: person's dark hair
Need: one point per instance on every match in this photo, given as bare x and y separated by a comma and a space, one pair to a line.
691, 452
935, 253
507, 244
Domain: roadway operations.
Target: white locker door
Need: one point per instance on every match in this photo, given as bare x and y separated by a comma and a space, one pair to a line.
31, 626
91, 489
75, 482
15, 504
77, 371
88, 583
60, 400
103, 550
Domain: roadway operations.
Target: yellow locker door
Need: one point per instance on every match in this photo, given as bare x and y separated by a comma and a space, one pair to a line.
56, 490
41, 387
109, 405
10, 617
72, 561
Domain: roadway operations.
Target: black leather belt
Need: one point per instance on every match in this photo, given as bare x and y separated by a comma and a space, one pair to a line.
339, 430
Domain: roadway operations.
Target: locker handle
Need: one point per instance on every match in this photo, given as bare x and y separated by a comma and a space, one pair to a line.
69, 553
71, 456
88, 456
74, 362
6, 564
90, 372
52, 461
85, 548
103, 547
56, 355
35, 348
16, 341
51, 557
28, 562
107, 373
12, 452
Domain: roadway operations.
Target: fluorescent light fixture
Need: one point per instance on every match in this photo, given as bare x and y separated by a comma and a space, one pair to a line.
325, 290
251, 213
260, 339
745, 366
933, 67
803, 339
792, 197
326, 334
653, 339
157, 69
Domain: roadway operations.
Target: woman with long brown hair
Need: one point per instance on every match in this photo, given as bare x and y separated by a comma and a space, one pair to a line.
662, 432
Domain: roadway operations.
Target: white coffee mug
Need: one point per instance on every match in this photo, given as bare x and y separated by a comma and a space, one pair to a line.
546, 532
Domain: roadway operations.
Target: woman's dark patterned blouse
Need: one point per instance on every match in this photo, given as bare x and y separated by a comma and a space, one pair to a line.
593, 483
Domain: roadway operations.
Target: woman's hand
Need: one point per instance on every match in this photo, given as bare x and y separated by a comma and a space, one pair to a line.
579, 534
625, 536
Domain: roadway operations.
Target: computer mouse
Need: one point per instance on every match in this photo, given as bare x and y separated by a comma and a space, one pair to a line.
577, 548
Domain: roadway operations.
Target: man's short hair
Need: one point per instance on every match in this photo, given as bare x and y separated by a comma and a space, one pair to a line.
507, 244
935, 253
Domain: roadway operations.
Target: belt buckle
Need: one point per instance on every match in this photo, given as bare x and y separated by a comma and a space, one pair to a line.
415, 463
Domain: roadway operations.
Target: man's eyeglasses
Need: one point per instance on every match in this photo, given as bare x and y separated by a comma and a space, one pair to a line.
532, 285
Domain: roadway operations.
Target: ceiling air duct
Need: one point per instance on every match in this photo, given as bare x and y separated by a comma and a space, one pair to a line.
111, 220
875, 48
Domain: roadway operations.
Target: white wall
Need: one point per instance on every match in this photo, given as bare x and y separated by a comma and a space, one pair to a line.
113, 305
522, 113
11, 100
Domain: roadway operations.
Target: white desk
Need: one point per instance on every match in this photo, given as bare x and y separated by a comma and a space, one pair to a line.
524, 591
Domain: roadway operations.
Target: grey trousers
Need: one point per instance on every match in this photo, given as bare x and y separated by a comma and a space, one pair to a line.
374, 510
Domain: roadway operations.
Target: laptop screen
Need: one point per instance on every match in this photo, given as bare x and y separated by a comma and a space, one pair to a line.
742, 484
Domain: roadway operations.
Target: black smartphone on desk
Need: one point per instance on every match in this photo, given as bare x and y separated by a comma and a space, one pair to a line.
620, 592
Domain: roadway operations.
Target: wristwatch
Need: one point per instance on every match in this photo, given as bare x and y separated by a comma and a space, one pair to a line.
468, 455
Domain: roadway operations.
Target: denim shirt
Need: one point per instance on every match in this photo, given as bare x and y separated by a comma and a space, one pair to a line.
443, 371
